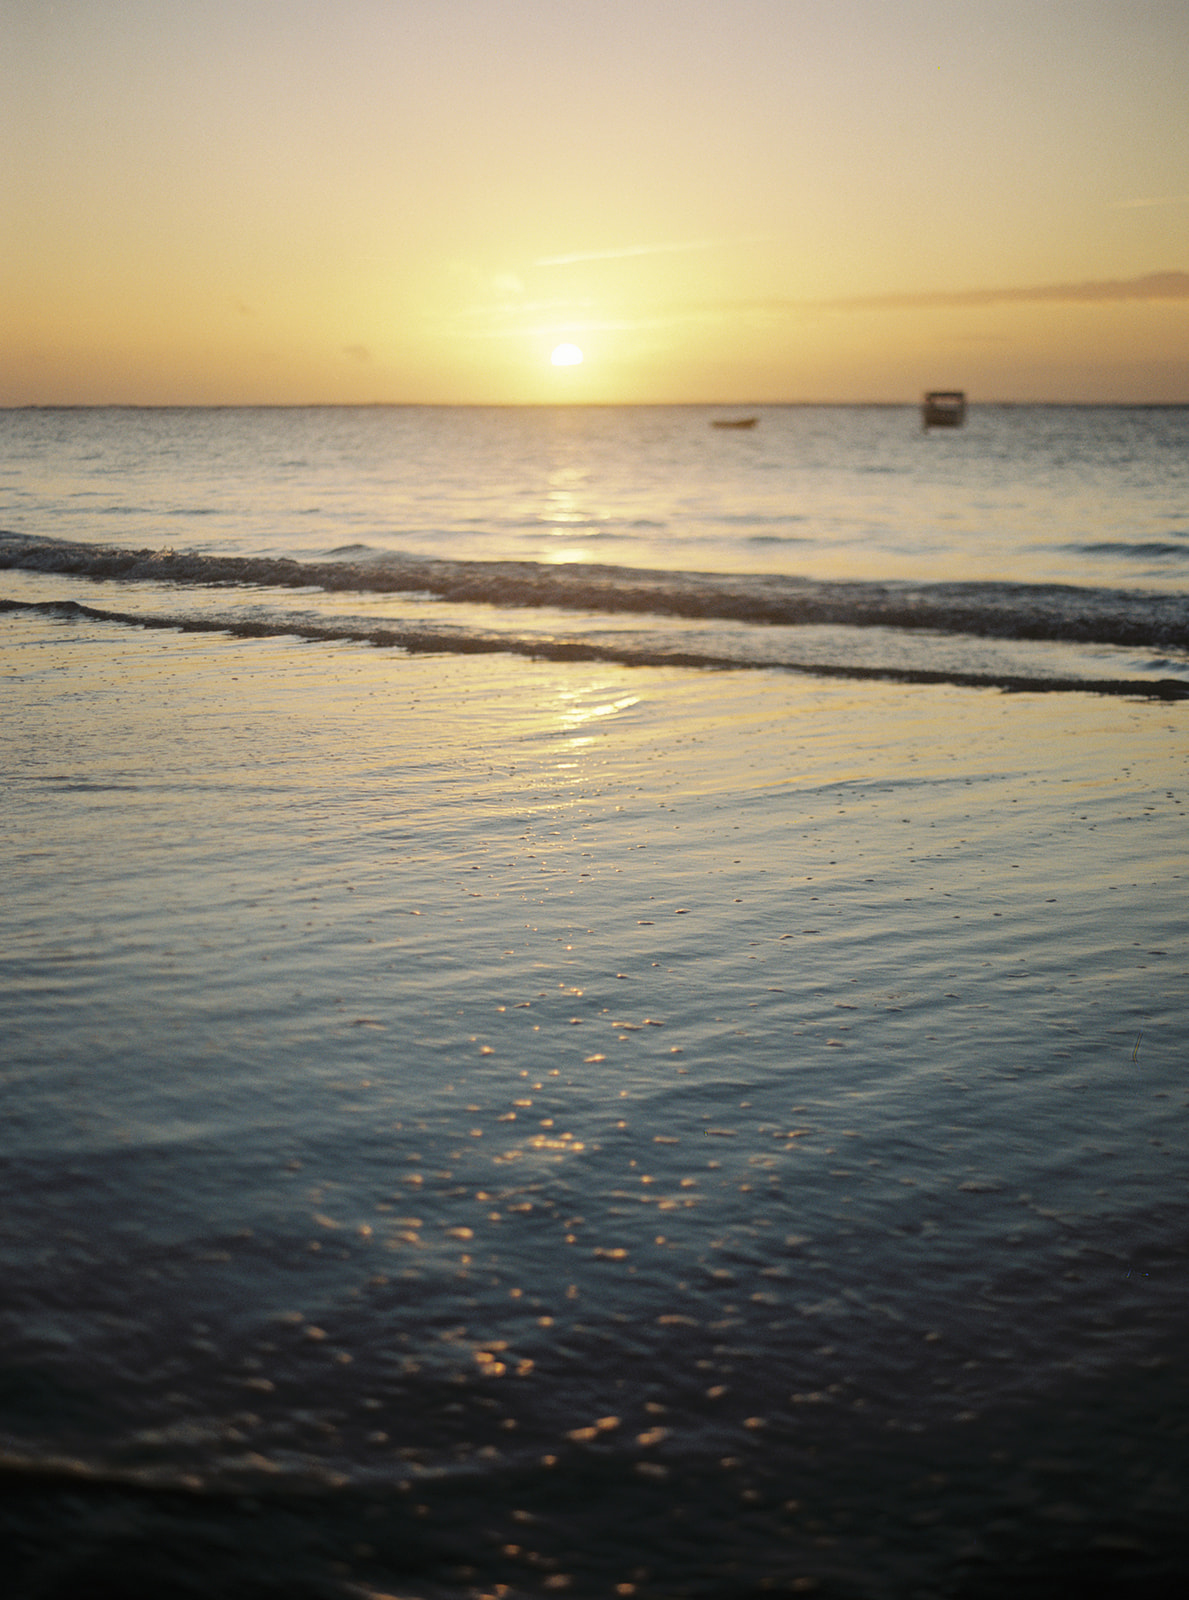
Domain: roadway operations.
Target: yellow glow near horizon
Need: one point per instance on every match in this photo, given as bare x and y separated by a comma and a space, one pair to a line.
566, 355
855, 203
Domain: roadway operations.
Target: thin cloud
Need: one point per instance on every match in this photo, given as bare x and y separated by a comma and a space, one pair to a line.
546, 317
1152, 286
676, 247
1150, 200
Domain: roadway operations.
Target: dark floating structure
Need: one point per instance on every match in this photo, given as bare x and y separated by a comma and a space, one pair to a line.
734, 422
943, 408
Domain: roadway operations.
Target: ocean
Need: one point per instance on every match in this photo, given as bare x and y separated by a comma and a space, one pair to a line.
592, 1003
1036, 543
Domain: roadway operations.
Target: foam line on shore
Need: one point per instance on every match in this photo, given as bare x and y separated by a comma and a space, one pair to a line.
983, 610
428, 640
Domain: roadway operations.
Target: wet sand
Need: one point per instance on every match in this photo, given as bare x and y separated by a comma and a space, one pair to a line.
482, 1127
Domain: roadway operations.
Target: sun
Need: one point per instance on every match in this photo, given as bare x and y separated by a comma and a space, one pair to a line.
566, 355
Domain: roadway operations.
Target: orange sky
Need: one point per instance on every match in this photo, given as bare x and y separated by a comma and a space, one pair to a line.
415, 200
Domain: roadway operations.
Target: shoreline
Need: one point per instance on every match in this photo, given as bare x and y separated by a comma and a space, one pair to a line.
826, 1043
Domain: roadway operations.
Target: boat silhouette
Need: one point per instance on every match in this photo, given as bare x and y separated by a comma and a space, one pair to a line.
943, 408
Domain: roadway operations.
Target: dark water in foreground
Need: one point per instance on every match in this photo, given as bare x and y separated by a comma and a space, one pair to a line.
476, 1123
516, 1112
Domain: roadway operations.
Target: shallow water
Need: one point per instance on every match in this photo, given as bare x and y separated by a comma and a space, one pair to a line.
1038, 494
1037, 547
478, 1123
480, 1126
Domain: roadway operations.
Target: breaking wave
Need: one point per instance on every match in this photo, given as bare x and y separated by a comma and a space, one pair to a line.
1054, 614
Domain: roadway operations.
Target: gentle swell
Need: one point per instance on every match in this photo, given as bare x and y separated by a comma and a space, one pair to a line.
472, 642
987, 610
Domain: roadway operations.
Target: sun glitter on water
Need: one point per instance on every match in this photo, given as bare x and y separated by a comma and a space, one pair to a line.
566, 355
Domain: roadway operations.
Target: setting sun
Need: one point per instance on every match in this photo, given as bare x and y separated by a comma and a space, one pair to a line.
765, 221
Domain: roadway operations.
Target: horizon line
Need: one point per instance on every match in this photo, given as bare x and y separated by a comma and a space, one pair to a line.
558, 405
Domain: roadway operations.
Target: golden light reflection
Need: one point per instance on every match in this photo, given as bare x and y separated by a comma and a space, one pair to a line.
576, 718
561, 555
562, 507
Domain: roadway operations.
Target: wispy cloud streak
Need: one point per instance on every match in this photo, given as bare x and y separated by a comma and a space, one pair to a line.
1143, 201
1154, 286
553, 316
677, 247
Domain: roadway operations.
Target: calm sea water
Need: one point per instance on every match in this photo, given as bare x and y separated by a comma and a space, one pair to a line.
491, 1127
1037, 494
1036, 542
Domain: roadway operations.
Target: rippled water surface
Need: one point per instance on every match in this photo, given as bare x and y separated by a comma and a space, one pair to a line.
479, 1126
1084, 495
1037, 545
